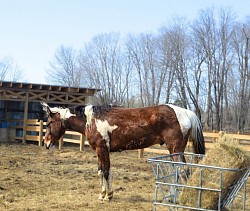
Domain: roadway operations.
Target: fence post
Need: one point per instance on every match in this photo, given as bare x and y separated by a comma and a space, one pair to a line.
238, 140
40, 133
25, 118
214, 139
221, 134
82, 142
60, 143
140, 153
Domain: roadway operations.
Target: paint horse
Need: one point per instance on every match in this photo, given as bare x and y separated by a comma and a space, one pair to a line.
110, 129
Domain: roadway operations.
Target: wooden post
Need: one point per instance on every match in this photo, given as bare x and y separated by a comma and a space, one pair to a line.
40, 133
82, 142
214, 139
60, 143
6, 119
238, 140
25, 117
140, 153
221, 134
87, 100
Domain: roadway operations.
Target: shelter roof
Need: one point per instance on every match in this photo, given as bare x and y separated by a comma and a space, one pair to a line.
19, 91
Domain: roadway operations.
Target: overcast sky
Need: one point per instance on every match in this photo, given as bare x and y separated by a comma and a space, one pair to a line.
32, 30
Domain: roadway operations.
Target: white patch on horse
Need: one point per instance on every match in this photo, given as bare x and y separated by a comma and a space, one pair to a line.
89, 114
65, 113
54, 109
47, 144
183, 118
103, 127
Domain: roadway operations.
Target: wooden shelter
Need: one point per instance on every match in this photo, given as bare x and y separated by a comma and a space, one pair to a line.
27, 93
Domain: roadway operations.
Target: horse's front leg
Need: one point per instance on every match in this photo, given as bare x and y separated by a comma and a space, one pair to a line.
104, 173
100, 175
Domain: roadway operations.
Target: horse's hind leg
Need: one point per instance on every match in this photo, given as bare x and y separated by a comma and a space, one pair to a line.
104, 173
178, 145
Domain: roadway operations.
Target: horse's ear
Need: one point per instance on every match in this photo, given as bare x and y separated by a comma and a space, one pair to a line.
49, 112
46, 108
44, 105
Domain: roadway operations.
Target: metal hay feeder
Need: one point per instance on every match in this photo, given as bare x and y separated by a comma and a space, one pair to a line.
171, 179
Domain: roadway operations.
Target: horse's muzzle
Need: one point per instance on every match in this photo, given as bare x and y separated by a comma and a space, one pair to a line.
47, 144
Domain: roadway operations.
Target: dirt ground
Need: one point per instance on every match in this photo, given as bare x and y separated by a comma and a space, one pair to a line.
33, 178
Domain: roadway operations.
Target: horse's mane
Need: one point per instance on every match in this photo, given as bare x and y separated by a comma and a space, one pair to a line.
98, 110
78, 110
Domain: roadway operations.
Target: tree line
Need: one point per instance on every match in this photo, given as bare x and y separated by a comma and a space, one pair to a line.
9, 70
202, 65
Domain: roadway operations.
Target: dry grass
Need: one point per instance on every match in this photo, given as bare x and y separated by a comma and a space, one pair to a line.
33, 178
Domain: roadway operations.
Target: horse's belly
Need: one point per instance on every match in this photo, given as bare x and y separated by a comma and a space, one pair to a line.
132, 144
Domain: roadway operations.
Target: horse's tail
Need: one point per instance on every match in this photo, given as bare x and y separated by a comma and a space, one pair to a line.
196, 134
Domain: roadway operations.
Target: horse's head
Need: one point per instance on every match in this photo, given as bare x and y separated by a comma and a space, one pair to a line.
54, 131
55, 128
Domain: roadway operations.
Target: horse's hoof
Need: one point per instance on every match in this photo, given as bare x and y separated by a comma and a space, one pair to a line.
100, 173
108, 196
101, 196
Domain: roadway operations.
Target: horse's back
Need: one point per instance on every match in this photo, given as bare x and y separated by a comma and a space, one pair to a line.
161, 114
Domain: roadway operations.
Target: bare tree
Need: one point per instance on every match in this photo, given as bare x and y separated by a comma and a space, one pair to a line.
63, 69
223, 65
103, 64
164, 58
9, 70
195, 75
178, 42
241, 45
204, 30
214, 35
149, 63
4, 66
134, 52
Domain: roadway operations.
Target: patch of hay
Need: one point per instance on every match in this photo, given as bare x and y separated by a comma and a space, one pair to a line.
226, 154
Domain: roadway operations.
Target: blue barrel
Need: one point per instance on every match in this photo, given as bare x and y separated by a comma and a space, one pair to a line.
4, 125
